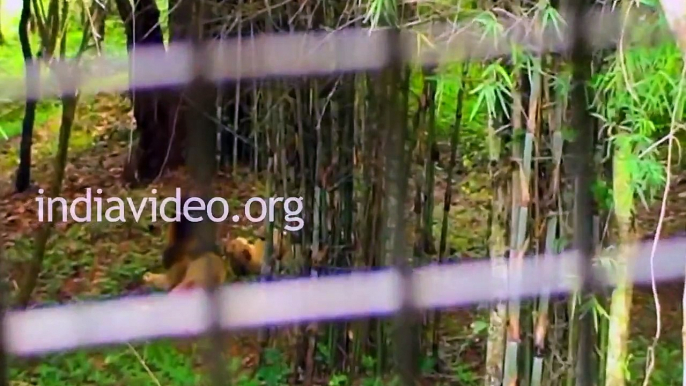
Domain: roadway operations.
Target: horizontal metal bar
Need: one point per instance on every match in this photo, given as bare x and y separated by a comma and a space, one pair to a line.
324, 53
254, 305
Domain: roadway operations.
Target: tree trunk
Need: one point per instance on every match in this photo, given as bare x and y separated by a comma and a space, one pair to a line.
33, 268
32, 78
160, 133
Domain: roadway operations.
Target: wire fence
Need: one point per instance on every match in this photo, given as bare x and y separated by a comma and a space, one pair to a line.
352, 295
331, 52
357, 294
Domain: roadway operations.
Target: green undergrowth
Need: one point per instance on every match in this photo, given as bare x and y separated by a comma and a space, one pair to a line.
163, 362
142, 364
668, 368
11, 115
153, 363
90, 115
12, 66
100, 260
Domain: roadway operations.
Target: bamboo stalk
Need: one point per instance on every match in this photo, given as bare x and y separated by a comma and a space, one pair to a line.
543, 309
518, 236
267, 263
429, 162
620, 307
447, 201
495, 346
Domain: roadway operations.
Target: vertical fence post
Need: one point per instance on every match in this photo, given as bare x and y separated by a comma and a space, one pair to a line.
202, 164
395, 82
583, 152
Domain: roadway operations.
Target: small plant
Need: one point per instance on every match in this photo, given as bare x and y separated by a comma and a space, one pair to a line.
464, 374
338, 380
275, 370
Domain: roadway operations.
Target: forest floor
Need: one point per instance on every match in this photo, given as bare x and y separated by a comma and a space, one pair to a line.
95, 260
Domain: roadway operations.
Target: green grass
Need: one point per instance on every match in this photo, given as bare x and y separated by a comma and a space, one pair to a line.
11, 115
76, 253
152, 363
668, 365
12, 63
129, 365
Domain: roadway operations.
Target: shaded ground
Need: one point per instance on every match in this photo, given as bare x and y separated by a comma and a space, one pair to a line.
97, 259
100, 260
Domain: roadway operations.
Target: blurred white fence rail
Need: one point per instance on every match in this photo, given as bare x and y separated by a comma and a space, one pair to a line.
66, 327
321, 53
